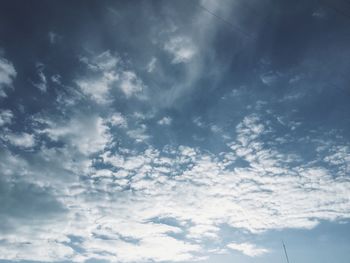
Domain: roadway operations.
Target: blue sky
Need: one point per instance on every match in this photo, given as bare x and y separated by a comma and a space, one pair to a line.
174, 131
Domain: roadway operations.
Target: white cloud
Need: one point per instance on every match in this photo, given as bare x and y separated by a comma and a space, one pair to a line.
320, 13
130, 84
6, 117
56, 79
7, 74
248, 249
139, 134
339, 157
102, 62
118, 210
147, 249
151, 65
165, 121
127, 203
107, 72
53, 37
87, 134
201, 231
37, 250
215, 128
269, 78
42, 84
181, 48
98, 89
104, 75
140, 116
117, 119
199, 122
24, 140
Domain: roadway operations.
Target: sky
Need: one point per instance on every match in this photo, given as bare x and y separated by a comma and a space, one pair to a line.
174, 131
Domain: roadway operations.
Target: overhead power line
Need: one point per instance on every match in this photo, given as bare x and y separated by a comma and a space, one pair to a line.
228, 23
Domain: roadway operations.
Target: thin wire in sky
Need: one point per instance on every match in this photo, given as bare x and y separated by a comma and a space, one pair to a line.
285, 251
234, 27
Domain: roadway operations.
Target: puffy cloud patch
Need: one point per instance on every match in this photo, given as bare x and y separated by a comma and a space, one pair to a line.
139, 134
104, 68
107, 72
118, 209
248, 249
23, 140
6, 117
165, 121
86, 134
146, 250
117, 119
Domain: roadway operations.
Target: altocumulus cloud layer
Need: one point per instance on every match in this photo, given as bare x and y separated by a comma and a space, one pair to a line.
163, 131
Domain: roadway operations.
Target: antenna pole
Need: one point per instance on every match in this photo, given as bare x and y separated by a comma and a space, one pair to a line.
285, 251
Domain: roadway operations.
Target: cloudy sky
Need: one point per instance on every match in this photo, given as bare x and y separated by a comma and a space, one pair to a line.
174, 131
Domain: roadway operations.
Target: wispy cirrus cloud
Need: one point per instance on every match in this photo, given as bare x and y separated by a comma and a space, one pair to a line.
108, 73
42, 83
7, 75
